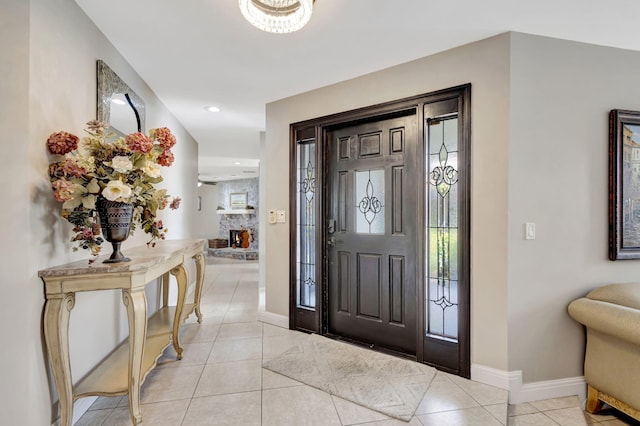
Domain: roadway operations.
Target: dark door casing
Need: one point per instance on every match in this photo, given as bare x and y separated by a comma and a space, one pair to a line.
371, 280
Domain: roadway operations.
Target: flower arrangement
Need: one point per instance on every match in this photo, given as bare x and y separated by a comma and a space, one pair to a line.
123, 169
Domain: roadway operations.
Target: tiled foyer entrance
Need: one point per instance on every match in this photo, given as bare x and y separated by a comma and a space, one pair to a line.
220, 380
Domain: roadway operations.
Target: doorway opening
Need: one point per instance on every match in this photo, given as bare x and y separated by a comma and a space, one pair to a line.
380, 227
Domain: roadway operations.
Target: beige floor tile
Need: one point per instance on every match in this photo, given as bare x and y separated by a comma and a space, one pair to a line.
556, 403
240, 330
534, 419
519, 409
476, 416
299, 405
169, 413
198, 333
104, 402
276, 345
499, 411
483, 394
393, 422
236, 350
168, 384
603, 415
443, 395
240, 306
93, 417
350, 413
269, 330
232, 317
573, 416
233, 409
271, 380
230, 377
618, 422
192, 354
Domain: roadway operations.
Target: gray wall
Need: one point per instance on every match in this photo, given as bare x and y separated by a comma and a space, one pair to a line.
561, 94
539, 154
49, 83
207, 221
485, 65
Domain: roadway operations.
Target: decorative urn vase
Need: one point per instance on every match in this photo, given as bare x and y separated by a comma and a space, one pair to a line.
115, 221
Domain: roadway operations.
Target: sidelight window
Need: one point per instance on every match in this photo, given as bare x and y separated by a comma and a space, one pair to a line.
442, 227
306, 200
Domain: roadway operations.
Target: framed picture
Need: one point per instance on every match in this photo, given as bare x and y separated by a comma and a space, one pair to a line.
624, 184
238, 200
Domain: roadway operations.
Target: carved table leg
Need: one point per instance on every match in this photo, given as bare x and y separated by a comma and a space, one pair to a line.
165, 290
136, 304
199, 258
593, 403
181, 278
56, 334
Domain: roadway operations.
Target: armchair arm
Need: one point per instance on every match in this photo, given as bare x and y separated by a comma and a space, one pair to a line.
615, 320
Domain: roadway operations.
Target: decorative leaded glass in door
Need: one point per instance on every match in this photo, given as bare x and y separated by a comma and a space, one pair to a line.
306, 224
442, 228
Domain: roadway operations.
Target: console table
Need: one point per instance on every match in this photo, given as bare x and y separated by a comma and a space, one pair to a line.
124, 370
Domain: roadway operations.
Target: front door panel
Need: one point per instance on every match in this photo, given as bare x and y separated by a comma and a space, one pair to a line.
372, 194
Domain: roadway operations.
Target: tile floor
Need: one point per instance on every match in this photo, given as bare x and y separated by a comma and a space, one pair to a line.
220, 380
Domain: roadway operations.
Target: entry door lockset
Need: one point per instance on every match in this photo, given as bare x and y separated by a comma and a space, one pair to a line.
331, 227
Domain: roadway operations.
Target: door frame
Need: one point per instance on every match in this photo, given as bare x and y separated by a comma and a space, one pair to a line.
315, 320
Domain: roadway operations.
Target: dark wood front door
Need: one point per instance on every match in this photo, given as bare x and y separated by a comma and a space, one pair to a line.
372, 232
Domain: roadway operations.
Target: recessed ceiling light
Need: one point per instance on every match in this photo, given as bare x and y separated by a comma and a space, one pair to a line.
237, 163
212, 108
117, 101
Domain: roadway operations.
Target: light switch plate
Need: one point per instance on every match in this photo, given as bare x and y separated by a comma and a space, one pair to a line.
281, 216
272, 216
529, 231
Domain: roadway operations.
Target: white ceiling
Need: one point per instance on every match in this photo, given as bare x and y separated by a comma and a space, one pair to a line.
196, 53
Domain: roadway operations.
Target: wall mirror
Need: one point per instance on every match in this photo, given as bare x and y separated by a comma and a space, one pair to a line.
118, 105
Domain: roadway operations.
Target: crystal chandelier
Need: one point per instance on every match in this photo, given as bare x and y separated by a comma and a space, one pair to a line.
277, 16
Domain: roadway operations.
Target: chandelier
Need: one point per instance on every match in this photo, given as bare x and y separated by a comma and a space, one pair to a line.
277, 16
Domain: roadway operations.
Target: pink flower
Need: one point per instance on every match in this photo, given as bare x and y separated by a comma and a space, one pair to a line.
164, 137
71, 168
175, 203
62, 190
163, 204
62, 143
166, 158
139, 142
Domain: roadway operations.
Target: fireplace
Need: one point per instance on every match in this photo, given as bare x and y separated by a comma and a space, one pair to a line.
235, 238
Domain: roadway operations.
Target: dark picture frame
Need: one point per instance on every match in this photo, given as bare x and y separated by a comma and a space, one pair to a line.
624, 184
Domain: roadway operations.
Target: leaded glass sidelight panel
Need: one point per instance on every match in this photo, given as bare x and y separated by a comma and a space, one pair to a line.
306, 223
369, 209
442, 227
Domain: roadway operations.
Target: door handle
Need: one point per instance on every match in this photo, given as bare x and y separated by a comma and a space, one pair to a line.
331, 241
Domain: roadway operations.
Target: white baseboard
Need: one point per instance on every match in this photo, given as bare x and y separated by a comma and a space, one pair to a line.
80, 407
273, 319
491, 376
520, 393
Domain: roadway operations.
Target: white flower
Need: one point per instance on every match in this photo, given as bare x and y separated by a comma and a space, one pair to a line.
116, 190
121, 164
151, 169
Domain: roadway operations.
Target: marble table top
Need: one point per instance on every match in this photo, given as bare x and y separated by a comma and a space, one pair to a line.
142, 257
